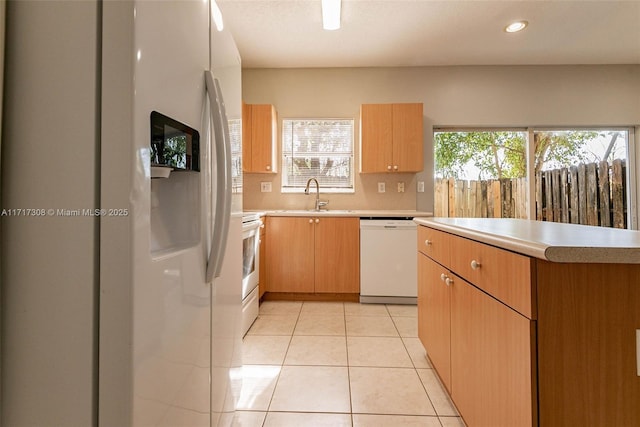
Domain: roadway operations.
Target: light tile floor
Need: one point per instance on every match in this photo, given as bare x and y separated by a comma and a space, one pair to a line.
339, 364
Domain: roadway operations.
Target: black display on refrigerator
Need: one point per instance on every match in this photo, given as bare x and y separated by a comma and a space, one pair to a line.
174, 144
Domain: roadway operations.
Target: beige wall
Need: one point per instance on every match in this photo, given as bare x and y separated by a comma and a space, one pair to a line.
452, 96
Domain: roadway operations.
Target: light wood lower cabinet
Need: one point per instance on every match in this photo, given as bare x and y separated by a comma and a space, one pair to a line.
262, 268
481, 348
492, 357
337, 255
313, 254
540, 344
290, 252
434, 322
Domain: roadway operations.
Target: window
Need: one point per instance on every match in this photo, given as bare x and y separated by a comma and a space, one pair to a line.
235, 137
580, 176
481, 174
317, 148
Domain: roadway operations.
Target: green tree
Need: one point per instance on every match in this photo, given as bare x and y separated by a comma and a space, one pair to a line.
493, 154
503, 154
562, 149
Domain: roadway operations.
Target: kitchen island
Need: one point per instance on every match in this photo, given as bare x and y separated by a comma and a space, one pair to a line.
532, 323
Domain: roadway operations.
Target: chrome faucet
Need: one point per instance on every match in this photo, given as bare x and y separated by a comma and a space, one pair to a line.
319, 203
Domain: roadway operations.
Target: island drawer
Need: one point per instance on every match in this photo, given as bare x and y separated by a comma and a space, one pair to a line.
434, 244
507, 276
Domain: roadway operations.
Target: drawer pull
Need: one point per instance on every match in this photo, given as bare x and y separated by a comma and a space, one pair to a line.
449, 281
475, 264
443, 277
427, 242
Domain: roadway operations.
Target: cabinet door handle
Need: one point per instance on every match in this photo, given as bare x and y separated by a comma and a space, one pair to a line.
443, 277
268, 167
317, 221
395, 167
475, 264
389, 167
428, 242
449, 281
310, 221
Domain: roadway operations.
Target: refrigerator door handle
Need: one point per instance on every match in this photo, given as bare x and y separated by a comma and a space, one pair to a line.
222, 144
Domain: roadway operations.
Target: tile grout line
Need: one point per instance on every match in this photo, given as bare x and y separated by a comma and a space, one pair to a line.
346, 345
415, 370
348, 366
282, 366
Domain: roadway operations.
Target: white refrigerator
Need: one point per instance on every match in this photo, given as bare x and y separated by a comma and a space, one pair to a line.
120, 292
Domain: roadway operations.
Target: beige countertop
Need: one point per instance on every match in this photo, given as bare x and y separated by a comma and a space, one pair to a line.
550, 241
349, 213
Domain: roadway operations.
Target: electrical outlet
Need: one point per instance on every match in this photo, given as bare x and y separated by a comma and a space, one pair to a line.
381, 187
420, 186
401, 187
265, 187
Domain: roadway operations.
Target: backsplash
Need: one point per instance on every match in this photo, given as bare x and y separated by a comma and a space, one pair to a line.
366, 196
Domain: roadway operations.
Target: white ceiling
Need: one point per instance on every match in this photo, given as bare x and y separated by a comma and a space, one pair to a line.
288, 33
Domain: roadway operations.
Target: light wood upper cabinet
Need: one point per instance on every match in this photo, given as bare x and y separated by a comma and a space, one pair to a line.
313, 255
391, 138
408, 139
376, 138
259, 128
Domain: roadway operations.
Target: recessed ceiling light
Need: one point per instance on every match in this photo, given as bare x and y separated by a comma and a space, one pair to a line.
514, 27
331, 14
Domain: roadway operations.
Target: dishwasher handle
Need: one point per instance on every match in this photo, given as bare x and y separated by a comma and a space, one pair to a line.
372, 224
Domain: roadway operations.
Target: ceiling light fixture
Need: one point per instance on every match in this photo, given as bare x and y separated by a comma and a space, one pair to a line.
514, 27
331, 14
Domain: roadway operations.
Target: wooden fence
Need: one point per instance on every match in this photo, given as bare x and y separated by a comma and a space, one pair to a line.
592, 194
503, 198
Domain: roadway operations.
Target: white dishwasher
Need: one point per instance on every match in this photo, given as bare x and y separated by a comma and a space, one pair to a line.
388, 261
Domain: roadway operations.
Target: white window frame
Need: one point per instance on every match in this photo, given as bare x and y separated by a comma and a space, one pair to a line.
235, 135
323, 188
